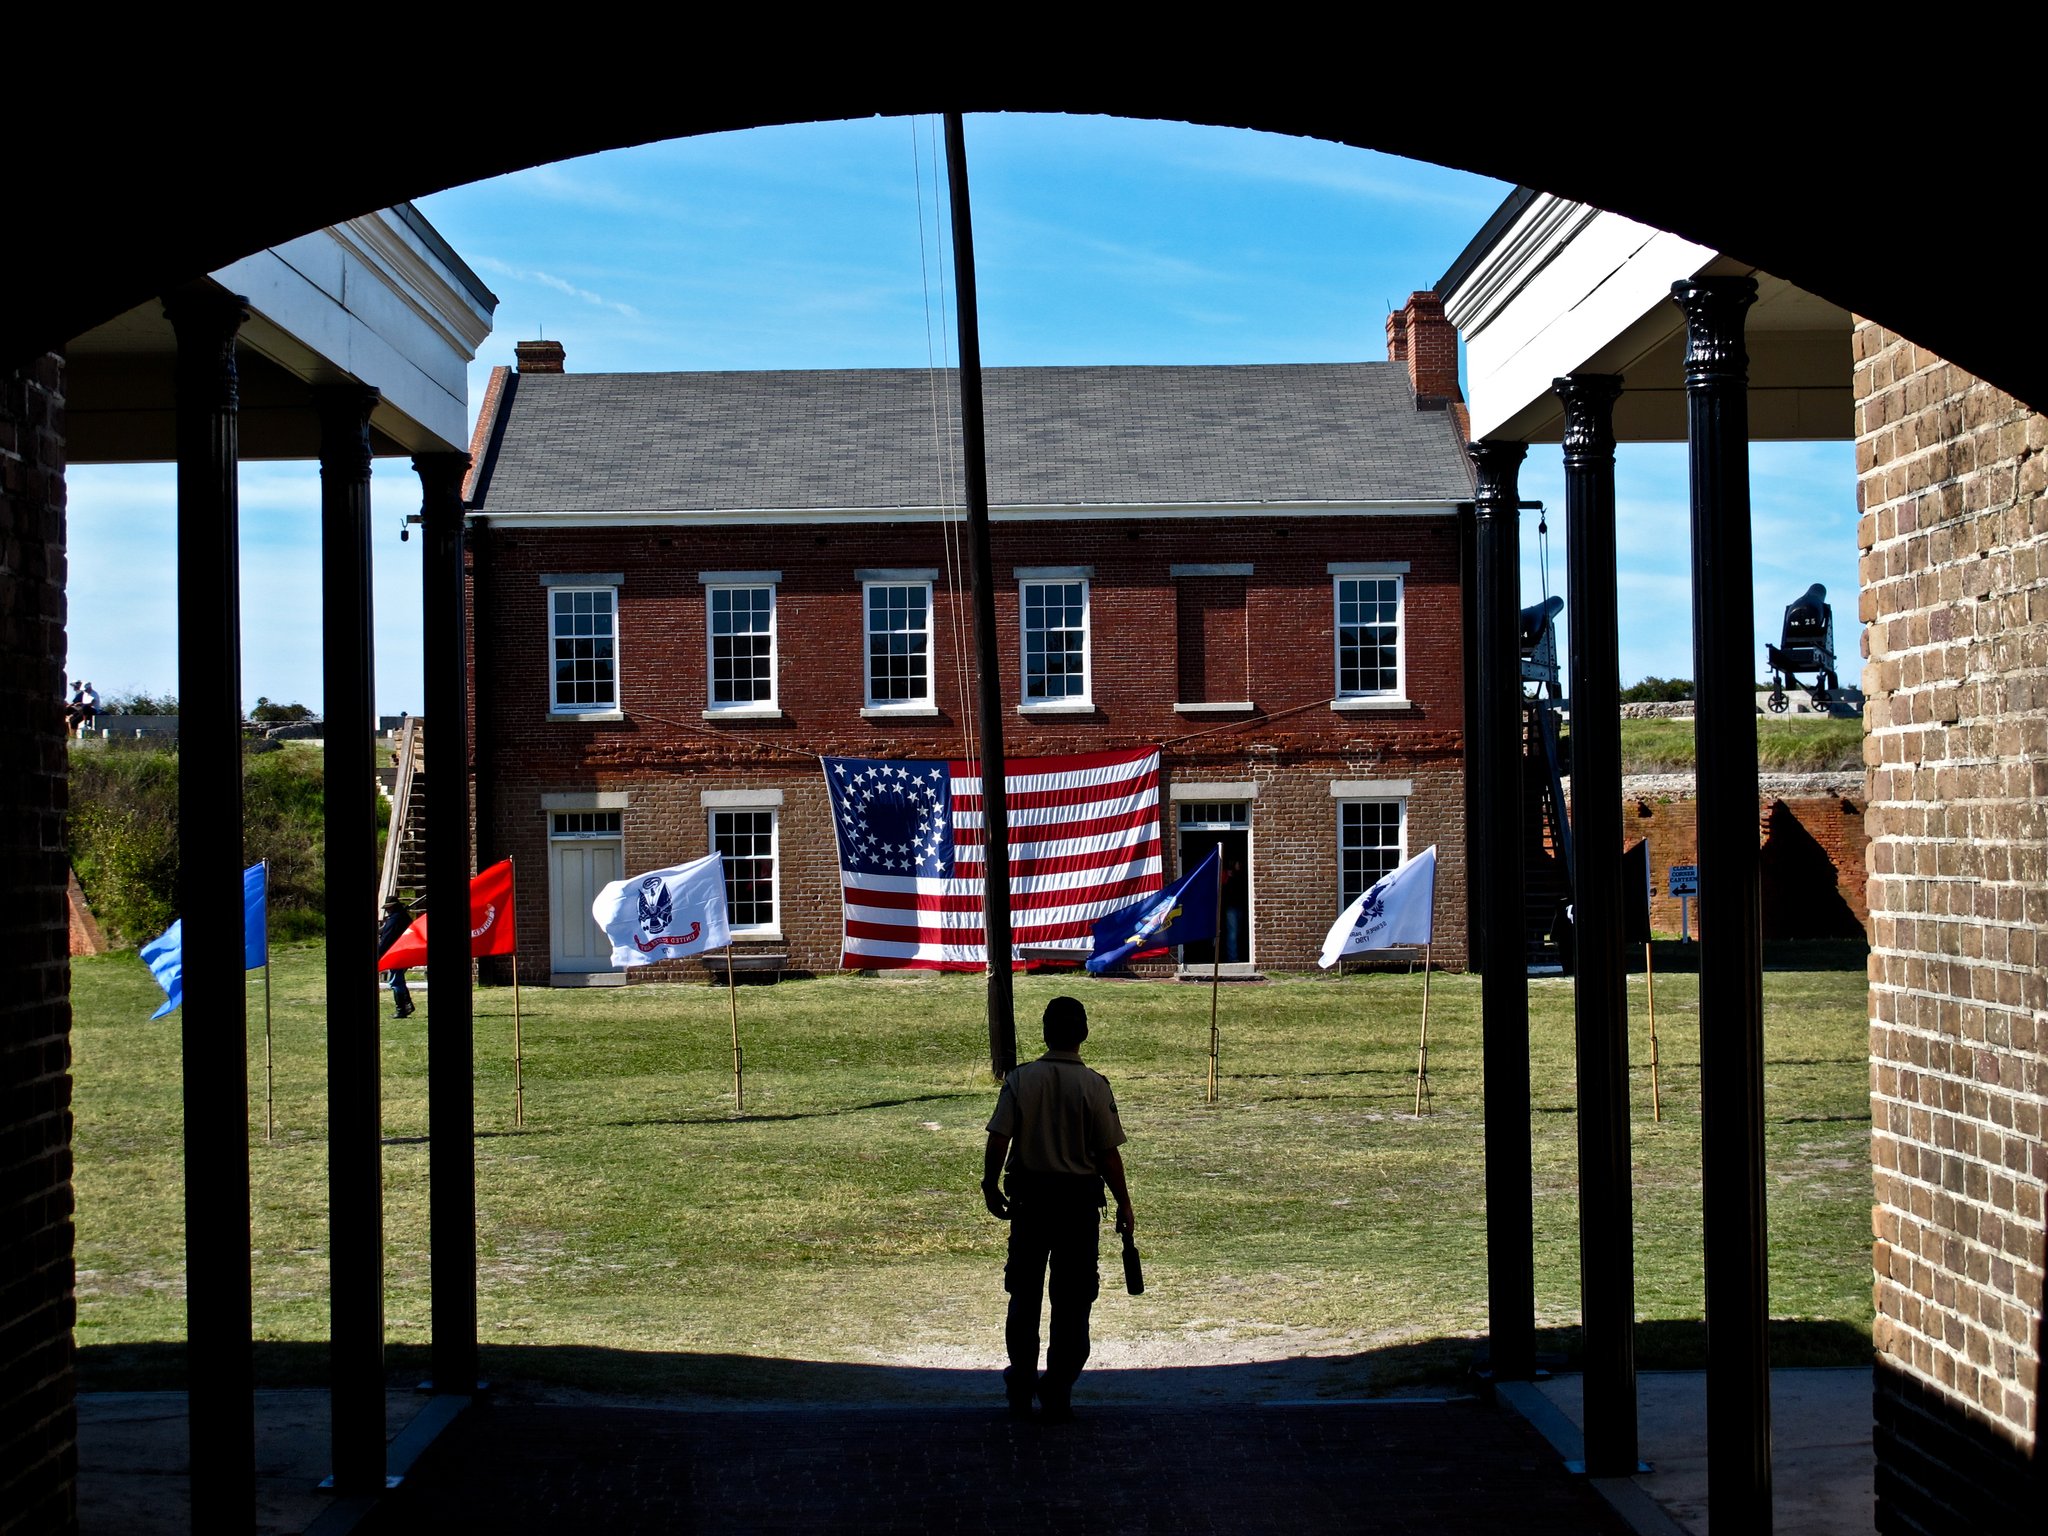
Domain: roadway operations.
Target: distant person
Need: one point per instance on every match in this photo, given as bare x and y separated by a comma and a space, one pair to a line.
396, 920
75, 711
1056, 1119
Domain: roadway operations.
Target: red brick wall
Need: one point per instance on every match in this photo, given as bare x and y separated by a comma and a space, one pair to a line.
1953, 484
665, 754
1813, 855
38, 1433
83, 934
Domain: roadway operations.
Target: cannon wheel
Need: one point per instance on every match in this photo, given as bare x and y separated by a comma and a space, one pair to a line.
1778, 702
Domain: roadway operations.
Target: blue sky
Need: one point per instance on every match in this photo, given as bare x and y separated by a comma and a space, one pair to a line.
1097, 241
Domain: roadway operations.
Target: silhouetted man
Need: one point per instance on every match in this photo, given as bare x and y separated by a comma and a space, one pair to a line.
1056, 1119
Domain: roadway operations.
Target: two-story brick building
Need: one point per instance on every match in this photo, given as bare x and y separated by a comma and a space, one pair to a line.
686, 587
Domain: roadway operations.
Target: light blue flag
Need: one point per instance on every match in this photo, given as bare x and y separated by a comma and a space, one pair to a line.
165, 954
255, 917
165, 957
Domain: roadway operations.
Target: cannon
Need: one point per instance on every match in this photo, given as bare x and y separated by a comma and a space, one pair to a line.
1806, 645
1539, 641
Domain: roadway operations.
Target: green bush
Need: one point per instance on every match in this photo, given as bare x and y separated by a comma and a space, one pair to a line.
123, 835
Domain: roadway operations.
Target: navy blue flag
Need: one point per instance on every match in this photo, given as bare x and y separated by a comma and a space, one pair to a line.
1183, 913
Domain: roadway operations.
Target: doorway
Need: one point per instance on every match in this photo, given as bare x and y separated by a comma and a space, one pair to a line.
1224, 824
585, 854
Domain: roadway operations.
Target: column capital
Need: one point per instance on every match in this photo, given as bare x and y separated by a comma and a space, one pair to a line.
1498, 466
1715, 308
207, 318
441, 476
344, 412
1588, 400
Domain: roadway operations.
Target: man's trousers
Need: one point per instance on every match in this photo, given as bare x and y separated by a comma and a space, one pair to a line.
1057, 1233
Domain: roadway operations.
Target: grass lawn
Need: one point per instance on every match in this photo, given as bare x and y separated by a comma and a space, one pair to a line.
634, 1235
1792, 744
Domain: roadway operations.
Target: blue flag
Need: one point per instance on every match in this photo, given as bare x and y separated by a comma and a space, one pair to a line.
165, 957
165, 954
255, 917
1183, 913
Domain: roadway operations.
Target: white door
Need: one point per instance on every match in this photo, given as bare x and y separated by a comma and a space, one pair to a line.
578, 868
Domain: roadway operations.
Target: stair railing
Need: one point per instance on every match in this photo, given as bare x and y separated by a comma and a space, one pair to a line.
411, 748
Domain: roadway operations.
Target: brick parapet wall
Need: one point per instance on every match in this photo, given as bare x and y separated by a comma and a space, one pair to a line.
664, 755
38, 1434
1954, 534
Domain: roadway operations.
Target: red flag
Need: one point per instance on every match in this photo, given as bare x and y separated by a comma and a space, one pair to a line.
493, 929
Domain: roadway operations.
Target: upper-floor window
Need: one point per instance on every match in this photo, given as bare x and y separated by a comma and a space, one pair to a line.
1368, 636
1055, 620
741, 619
899, 643
584, 645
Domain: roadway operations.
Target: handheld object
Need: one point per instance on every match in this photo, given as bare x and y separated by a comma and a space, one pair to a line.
1134, 1271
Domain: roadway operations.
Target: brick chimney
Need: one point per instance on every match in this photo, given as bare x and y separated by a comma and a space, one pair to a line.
548, 357
1427, 342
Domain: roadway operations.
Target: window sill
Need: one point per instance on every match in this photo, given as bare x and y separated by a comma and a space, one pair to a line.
899, 712
1059, 707
1375, 701
747, 712
1245, 707
749, 936
576, 716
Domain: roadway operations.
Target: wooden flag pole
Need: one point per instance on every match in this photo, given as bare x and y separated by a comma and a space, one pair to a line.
1215, 974
518, 1051
1422, 1049
269, 1080
732, 997
1650, 987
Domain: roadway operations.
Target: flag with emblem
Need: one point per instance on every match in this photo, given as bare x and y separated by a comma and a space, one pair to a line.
1400, 908
667, 914
1183, 913
1084, 841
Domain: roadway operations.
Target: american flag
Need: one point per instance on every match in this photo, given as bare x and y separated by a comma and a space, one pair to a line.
1084, 840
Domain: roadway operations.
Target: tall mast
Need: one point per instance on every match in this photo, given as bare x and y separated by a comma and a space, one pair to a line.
995, 811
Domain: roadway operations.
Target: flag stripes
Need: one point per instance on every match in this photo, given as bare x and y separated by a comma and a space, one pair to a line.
1084, 840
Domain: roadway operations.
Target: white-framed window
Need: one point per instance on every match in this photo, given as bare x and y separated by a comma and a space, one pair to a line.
1053, 610
739, 617
747, 837
1369, 635
1372, 840
583, 649
898, 651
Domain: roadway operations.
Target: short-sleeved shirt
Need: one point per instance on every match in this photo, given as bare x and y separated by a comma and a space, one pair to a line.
1059, 1115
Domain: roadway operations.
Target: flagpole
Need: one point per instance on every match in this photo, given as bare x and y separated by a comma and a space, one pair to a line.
732, 997
1650, 987
269, 1081
1215, 973
1422, 1050
518, 1033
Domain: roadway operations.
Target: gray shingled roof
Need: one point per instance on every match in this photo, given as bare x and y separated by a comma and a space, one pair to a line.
863, 438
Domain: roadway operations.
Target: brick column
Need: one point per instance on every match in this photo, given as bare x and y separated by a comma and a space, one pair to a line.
1953, 483
38, 1426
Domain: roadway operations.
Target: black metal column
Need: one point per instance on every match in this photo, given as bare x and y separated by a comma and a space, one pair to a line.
1731, 905
1607, 1288
1496, 907
355, 1140
995, 817
220, 1367
451, 1046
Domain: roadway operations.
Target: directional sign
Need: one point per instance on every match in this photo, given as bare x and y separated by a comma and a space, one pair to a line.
1685, 879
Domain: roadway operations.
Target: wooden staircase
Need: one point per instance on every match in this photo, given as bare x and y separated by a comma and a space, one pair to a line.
405, 845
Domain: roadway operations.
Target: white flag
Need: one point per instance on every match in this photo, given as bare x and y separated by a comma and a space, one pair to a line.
1399, 909
667, 914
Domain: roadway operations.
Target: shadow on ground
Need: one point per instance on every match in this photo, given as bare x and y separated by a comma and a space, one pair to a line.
1437, 1365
